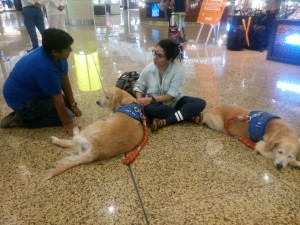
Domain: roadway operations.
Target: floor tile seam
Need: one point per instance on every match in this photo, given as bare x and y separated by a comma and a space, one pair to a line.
138, 195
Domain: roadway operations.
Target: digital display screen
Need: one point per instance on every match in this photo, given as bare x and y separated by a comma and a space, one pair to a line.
153, 11
285, 42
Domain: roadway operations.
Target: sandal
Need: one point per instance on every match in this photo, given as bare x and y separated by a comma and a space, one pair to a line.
156, 123
198, 118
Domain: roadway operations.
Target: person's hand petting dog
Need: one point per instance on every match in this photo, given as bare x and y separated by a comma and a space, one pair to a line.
144, 101
68, 128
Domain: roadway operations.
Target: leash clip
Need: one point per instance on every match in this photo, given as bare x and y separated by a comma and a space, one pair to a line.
136, 109
244, 118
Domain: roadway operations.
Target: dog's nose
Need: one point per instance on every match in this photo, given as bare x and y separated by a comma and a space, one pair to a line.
98, 102
279, 166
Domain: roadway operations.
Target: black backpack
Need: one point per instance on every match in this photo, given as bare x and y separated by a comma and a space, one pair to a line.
257, 37
127, 80
236, 40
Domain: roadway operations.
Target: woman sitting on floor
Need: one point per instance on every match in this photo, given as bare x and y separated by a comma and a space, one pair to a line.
159, 89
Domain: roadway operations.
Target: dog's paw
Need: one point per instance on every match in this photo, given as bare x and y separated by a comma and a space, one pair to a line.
295, 164
260, 146
76, 130
53, 139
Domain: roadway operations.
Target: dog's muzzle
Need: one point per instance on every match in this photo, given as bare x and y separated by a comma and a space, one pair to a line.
101, 102
279, 166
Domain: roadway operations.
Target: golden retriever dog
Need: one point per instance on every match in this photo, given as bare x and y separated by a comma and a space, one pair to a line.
118, 134
275, 139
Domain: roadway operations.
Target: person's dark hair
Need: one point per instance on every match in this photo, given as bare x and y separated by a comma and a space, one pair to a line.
170, 47
56, 39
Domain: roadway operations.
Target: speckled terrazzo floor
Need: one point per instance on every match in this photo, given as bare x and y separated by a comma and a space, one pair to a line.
186, 174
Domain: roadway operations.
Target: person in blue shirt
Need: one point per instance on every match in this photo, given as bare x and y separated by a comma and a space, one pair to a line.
159, 89
33, 18
38, 87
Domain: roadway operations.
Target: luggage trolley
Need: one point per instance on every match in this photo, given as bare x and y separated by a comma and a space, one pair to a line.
174, 34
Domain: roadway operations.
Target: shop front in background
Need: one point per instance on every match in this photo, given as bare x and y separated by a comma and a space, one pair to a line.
106, 7
149, 11
130, 4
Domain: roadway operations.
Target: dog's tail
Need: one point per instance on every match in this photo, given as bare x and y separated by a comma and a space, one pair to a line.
70, 162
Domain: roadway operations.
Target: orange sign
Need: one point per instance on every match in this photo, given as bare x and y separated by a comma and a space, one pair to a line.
211, 11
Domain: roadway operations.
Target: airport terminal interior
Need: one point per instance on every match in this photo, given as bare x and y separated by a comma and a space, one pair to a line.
187, 173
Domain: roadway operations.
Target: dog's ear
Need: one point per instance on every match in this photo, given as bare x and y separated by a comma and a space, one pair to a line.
116, 98
271, 144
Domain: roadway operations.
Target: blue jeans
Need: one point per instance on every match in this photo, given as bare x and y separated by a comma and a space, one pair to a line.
33, 17
40, 113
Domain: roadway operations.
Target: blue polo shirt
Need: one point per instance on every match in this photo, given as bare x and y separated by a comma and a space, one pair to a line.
35, 76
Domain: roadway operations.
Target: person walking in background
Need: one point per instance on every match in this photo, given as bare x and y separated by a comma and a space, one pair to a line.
159, 89
33, 17
56, 13
181, 8
271, 10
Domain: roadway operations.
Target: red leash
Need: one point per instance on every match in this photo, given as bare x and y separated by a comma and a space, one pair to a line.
132, 156
242, 139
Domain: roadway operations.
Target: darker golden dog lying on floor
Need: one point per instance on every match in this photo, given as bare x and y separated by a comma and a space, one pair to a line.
275, 139
120, 133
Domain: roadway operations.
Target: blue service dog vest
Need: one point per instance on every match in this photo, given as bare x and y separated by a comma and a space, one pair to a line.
258, 123
133, 110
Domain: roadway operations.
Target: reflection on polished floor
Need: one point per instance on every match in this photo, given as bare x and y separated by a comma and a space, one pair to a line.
186, 174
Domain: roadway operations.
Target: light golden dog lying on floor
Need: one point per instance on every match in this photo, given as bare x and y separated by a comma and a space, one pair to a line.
275, 139
120, 133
